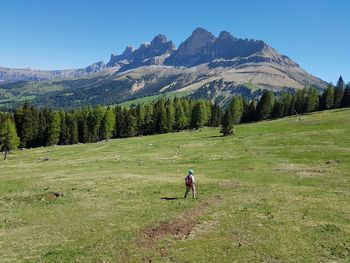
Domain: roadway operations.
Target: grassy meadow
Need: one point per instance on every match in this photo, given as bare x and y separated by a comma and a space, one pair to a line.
277, 191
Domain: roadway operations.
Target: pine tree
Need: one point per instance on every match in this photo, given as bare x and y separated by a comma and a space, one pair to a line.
277, 111
300, 101
199, 115
108, 124
83, 133
27, 123
312, 101
340, 83
130, 128
187, 106
44, 117
72, 128
119, 122
94, 123
64, 131
227, 123
8, 136
180, 115
338, 93
250, 116
346, 97
327, 98
148, 120
140, 118
159, 116
170, 115
236, 108
215, 115
265, 105
54, 129
287, 102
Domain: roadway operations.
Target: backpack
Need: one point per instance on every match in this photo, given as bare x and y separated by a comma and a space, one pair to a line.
189, 180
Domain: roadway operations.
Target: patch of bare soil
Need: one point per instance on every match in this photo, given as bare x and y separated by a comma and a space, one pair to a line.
310, 172
301, 171
230, 184
179, 228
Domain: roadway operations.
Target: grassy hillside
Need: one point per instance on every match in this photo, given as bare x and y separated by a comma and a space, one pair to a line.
277, 191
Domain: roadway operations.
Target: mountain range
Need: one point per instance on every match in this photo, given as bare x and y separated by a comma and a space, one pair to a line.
203, 65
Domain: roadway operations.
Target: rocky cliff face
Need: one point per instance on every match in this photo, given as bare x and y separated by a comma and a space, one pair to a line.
146, 54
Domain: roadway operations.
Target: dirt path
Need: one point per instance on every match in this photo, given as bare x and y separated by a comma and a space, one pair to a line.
178, 228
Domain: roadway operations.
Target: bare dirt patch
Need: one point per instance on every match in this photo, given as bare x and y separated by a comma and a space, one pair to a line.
230, 184
180, 227
301, 171
310, 172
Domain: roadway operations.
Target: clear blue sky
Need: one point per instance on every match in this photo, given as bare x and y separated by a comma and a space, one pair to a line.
63, 34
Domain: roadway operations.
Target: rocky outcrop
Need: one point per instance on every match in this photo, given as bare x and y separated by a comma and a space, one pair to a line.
95, 67
116, 59
146, 54
194, 50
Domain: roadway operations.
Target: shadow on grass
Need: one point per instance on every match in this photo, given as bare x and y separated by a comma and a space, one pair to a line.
169, 198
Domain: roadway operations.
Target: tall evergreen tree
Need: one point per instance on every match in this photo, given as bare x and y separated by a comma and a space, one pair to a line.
130, 128
44, 118
199, 115
119, 122
346, 96
72, 127
227, 123
187, 106
300, 101
8, 136
27, 123
108, 124
170, 115
83, 130
312, 101
215, 116
159, 116
94, 123
236, 108
338, 93
250, 115
148, 120
265, 105
327, 98
64, 131
54, 129
140, 118
180, 115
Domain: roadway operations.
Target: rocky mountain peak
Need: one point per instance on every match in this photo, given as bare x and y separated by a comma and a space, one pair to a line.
128, 51
195, 44
159, 39
225, 35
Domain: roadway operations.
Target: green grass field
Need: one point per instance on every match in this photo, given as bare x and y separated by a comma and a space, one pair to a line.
277, 191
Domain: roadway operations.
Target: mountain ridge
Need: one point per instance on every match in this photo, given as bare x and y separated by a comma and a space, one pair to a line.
158, 66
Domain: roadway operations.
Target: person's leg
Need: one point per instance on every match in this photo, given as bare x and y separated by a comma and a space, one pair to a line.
187, 190
193, 191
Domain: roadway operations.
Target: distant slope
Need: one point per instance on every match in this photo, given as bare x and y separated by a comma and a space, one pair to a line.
158, 67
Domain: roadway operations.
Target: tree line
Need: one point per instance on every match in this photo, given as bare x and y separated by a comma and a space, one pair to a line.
37, 127
29, 126
270, 106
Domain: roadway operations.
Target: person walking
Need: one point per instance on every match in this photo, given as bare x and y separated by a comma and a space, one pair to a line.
190, 184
